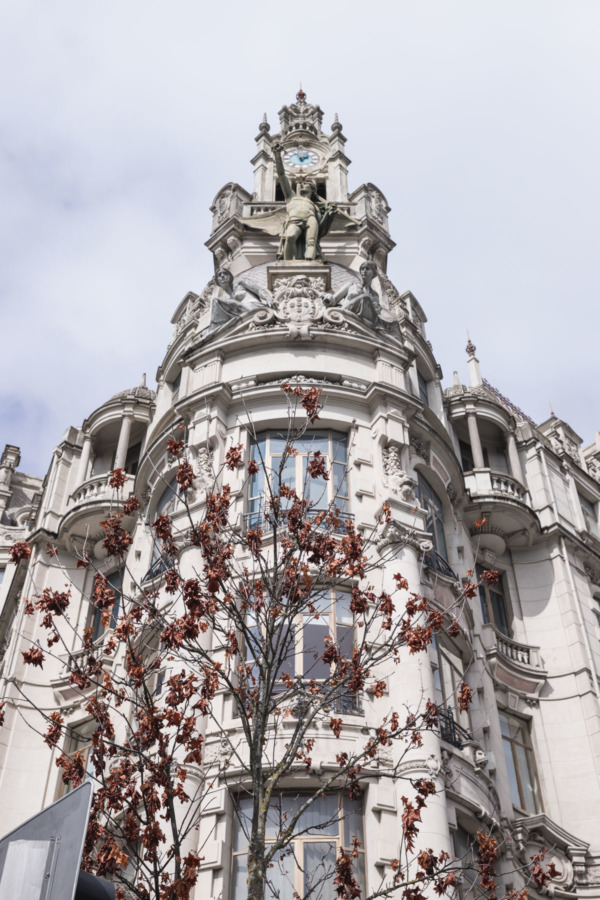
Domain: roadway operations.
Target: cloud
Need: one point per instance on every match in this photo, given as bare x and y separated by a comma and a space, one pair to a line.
119, 123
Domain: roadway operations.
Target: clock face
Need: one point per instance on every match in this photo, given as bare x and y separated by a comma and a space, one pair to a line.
301, 158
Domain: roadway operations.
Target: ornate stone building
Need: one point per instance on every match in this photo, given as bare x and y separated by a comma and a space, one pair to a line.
300, 294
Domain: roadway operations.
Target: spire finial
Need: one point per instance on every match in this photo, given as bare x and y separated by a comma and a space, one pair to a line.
301, 96
264, 125
552, 413
336, 123
470, 348
143, 381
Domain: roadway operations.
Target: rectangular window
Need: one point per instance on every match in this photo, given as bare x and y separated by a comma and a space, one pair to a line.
329, 823
493, 603
2, 571
269, 451
422, 384
520, 763
589, 515
79, 739
299, 644
448, 672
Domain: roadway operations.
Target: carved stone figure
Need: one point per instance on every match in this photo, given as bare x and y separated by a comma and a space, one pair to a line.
396, 478
241, 298
360, 298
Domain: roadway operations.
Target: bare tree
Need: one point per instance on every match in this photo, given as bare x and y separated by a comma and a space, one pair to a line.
280, 617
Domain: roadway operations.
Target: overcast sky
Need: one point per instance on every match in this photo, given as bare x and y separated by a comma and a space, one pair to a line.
119, 122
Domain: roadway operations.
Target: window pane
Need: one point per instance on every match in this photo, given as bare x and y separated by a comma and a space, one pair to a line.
319, 869
512, 774
338, 447
280, 877
242, 823
313, 639
353, 821
239, 877
321, 817
499, 612
342, 607
528, 786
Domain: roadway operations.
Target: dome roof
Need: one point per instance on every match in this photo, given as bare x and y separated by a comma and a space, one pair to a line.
141, 392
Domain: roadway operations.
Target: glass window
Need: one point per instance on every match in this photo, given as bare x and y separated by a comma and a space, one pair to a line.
589, 515
166, 505
520, 763
269, 451
330, 822
2, 571
132, 459
422, 384
434, 521
115, 581
79, 738
493, 603
175, 386
448, 672
299, 644
466, 855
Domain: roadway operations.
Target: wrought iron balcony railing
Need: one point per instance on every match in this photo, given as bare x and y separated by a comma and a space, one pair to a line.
159, 566
451, 731
434, 561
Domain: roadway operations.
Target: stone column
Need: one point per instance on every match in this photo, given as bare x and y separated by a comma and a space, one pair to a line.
513, 457
84, 460
475, 441
123, 445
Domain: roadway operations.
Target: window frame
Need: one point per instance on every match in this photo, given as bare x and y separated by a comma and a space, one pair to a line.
430, 501
267, 448
95, 614
508, 745
589, 511
76, 739
487, 604
444, 648
336, 618
342, 838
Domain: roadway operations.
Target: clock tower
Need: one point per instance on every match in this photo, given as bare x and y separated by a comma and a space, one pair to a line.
308, 153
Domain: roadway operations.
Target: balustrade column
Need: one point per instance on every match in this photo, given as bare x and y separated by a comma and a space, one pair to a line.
513, 457
123, 445
84, 460
475, 440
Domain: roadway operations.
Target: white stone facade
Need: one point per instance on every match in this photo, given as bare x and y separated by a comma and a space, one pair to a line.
470, 480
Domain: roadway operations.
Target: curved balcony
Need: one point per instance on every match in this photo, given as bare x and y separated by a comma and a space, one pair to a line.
516, 665
91, 502
503, 501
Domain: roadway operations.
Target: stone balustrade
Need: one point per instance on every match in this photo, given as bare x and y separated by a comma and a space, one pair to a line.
486, 483
521, 654
98, 490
